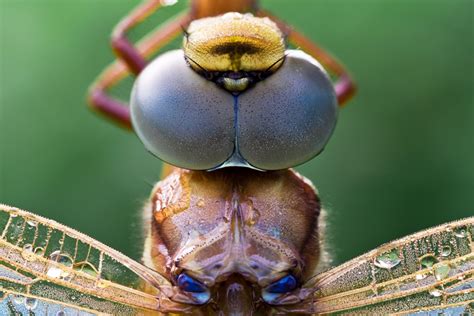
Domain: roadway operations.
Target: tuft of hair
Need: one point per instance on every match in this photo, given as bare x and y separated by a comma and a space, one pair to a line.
325, 259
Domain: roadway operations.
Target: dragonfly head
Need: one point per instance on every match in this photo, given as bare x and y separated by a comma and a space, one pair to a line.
233, 97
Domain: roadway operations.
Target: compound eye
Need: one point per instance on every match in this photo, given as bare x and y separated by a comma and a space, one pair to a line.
181, 117
276, 289
287, 118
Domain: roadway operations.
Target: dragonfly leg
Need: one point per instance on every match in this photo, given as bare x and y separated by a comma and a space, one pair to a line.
131, 59
123, 48
344, 85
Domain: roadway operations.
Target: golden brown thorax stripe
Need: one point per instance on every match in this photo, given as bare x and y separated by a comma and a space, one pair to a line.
233, 42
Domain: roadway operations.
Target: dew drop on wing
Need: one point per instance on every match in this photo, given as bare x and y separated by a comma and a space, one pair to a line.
445, 250
387, 260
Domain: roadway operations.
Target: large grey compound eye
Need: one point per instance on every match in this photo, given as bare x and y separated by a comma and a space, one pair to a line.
190, 122
288, 118
181, 117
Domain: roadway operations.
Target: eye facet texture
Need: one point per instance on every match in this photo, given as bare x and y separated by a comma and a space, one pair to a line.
181, 117
190, 122
287, 119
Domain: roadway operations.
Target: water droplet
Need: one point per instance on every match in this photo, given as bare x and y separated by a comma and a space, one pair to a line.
19, 300
421, 276
32, 223
55, 271
460, 232
60, 313
441, 271
13, 215
253, 216
428, 261
27, 252
39, 251
73, 298
200, 203
86, 267
387, 260
445, 250
61, 258
435, 293
31, 303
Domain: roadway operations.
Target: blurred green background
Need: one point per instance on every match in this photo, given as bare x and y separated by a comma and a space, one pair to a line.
401, 158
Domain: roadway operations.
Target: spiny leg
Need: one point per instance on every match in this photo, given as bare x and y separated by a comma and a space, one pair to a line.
132, 58
344, 86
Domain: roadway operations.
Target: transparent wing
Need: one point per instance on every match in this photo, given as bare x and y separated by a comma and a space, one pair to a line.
427, 273
49, 269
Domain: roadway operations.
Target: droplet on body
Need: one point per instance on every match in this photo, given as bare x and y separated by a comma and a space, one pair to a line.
200, 203
253, 216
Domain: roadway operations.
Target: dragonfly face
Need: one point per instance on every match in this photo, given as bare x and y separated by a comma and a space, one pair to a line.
243, 102
231, 246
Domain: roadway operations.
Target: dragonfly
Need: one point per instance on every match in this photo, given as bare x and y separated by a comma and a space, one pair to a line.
233, 230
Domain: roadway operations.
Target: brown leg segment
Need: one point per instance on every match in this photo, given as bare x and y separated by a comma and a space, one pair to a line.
125, 50
344, 86
132, 58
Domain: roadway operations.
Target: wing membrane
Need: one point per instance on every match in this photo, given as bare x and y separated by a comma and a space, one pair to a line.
45, 266
430, 271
